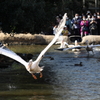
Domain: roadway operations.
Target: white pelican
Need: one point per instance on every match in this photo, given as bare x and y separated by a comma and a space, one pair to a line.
76, 44
33, 66
87, 47
64, 45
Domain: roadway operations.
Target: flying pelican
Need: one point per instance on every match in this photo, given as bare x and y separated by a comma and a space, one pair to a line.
87, 47
33, 66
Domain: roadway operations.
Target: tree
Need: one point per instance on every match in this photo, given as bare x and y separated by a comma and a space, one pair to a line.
34, 16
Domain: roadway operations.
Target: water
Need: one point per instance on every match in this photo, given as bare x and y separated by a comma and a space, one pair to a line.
62, 80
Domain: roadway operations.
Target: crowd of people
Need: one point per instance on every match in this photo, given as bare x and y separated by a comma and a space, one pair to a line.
84, 24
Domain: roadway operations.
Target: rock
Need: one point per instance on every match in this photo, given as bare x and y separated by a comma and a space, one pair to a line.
91, 39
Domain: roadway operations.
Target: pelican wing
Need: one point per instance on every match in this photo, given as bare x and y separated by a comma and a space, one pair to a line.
98, 45
6, 52
58, 32
77, 47
58, 42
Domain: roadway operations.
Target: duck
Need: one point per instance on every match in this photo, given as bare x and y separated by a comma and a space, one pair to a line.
80, 64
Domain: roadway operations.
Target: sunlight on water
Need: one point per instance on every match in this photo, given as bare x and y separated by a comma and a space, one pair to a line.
62, 79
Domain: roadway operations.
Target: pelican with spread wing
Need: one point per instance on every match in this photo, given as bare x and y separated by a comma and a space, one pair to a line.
33, 66
87, 47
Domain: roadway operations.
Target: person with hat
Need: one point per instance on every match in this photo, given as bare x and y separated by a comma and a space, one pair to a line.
65, 31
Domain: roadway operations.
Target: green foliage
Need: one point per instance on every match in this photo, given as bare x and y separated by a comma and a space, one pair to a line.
34, 16
22, 15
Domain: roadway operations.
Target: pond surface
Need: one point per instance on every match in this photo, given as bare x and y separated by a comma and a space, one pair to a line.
62, 80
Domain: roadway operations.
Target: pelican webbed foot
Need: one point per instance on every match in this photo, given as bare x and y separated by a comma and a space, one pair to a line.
41, 75
34, 76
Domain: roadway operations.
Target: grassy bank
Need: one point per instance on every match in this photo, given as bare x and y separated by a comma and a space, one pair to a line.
25, 38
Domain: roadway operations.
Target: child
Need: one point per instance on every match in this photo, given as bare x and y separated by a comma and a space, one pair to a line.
65, 31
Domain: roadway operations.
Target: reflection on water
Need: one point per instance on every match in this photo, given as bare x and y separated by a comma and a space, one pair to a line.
62, 80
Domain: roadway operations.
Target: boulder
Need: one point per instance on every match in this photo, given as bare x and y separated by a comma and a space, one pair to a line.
91, 39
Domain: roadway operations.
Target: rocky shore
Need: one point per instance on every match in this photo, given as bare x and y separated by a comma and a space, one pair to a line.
40, 39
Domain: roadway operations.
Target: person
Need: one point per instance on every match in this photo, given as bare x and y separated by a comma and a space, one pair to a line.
93, 26
65, 31
98, 22
84, 26
98, 14
57, 19
88, 13
54, 29
95, 15
88, 18
68, 23
76, 24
